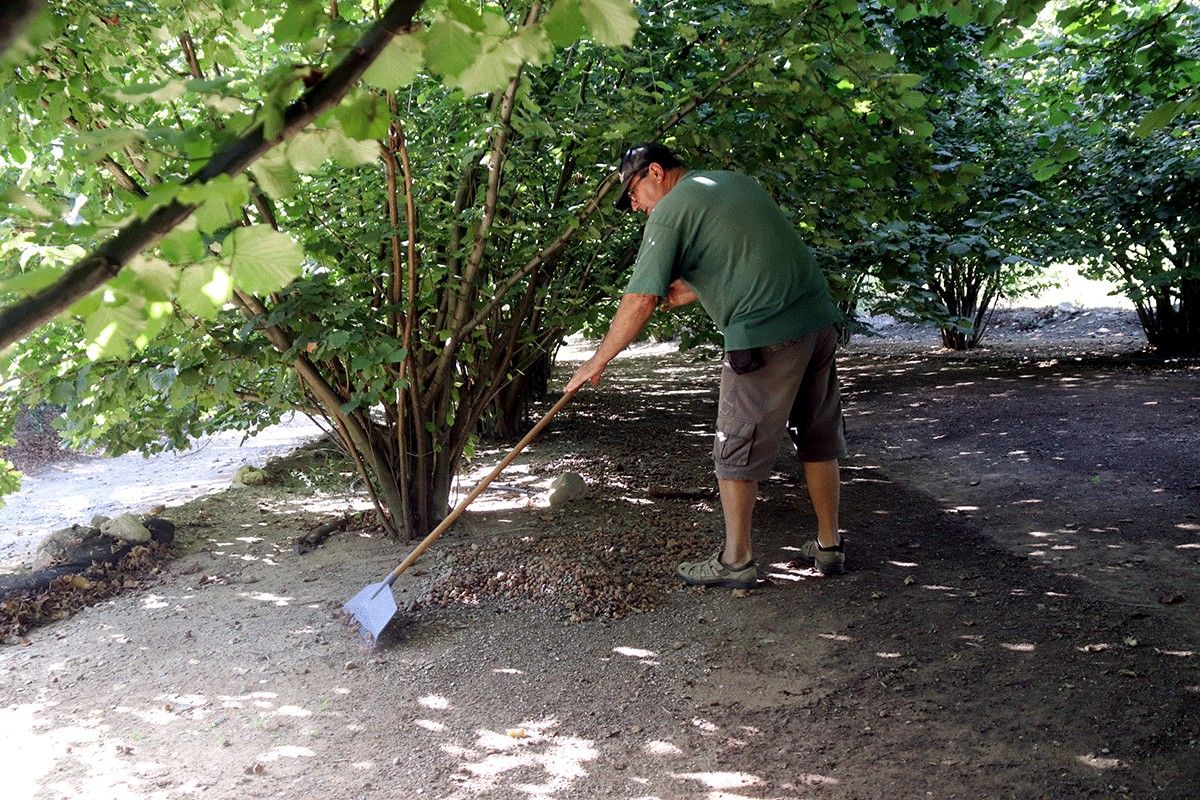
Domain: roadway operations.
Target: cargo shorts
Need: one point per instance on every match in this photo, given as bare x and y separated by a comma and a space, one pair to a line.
795, 390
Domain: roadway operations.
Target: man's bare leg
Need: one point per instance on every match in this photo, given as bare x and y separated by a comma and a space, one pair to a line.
824, 489
737, 501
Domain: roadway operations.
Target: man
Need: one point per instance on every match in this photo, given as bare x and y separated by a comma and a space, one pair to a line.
719, 238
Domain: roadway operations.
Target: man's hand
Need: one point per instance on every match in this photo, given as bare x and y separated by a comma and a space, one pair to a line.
589, 372
679, 294
632, 314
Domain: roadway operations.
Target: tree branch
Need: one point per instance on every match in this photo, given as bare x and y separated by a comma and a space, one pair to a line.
107, 260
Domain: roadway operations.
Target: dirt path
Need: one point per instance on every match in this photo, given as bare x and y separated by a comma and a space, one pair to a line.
999, 635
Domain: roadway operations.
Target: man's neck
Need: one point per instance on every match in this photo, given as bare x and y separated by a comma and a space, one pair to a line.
673, 177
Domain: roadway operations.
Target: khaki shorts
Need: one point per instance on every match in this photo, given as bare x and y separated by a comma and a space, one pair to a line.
794, 391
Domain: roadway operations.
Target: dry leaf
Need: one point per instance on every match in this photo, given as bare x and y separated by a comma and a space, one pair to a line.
516, 733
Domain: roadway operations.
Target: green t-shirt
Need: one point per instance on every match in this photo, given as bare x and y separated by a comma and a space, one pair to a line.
724, 235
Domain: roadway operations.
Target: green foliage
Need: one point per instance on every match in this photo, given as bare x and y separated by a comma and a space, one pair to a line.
1116, 101
290, 285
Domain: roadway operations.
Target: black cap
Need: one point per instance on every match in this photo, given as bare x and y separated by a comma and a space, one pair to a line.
636, 159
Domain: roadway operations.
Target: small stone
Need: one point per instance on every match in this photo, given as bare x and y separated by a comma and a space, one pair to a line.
99, 520
126, 528
249, 476
565, 488
351, 665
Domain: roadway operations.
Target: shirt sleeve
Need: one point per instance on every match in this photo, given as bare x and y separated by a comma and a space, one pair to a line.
655, 265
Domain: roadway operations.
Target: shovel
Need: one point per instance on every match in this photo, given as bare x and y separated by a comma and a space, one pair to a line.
374, 606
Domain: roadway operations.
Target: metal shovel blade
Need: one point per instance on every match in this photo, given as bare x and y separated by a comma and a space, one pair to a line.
372, 608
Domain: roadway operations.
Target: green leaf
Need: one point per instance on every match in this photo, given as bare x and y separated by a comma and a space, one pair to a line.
497, 64
347, 152
31, 280
204, 288
159, 92
300, 22
261, 259
306, 151
274, 173
398, 65
564, 23
905, 80
156, 278
182, 246
272, 121
1024, 50
961, 13
1157, 118
610, 22
913, 99
450, 47
221, 200
923, 129
361, 118
880, 61
110, 327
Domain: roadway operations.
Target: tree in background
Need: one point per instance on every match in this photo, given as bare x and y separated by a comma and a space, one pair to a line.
1116, 91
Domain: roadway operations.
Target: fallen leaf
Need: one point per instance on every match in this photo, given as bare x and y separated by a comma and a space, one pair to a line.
256, 769
1130, 641
910, 580
741, 592
516, 733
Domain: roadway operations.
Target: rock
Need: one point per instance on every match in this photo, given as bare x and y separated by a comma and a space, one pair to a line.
99, 520
161, 530
127, 528
249, 476
565, 488
55, 546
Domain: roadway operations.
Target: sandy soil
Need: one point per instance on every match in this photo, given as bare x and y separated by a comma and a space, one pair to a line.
72, 489
1020, 618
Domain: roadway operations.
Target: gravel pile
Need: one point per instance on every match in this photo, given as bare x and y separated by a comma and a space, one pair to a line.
578, 568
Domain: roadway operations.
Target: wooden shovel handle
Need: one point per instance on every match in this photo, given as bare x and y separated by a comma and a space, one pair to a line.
453, 516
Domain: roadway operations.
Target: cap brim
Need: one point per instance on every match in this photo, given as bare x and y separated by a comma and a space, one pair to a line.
623, 198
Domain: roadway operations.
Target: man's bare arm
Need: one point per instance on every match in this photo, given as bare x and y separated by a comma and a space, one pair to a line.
632, 315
